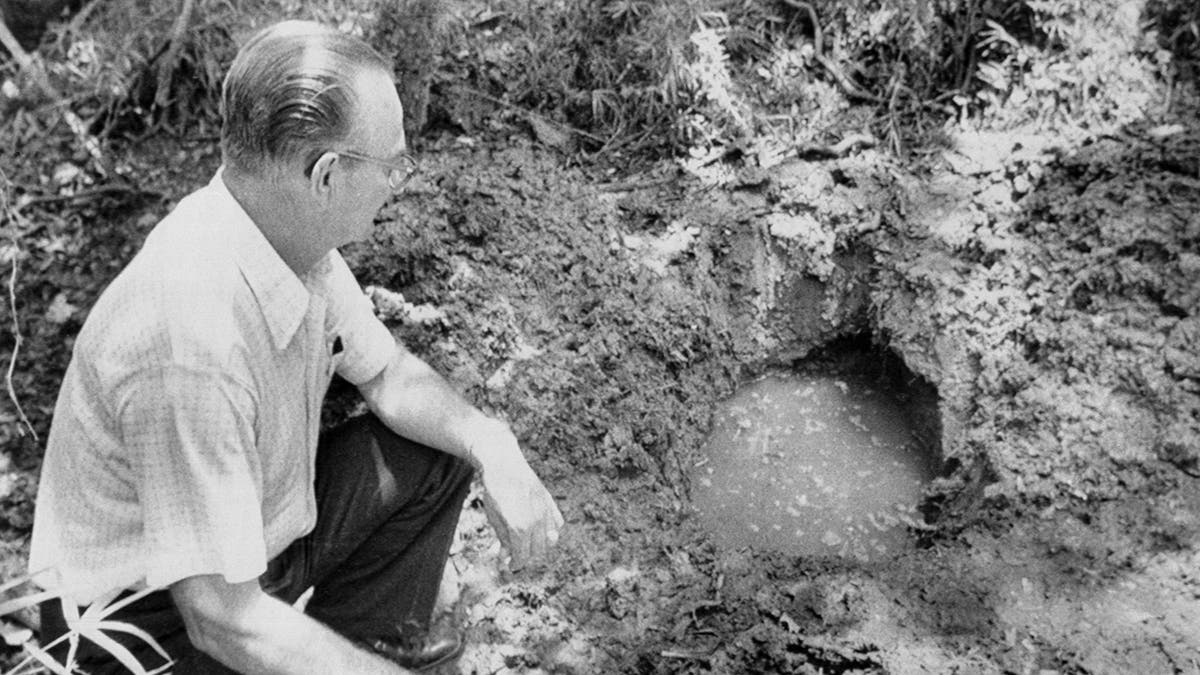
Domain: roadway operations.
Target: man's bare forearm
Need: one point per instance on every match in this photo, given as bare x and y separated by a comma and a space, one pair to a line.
418, 403
256, 633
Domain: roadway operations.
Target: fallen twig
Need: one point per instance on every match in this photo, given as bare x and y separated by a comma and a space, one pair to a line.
629, 186
170, 60
530, 113
91, 193
17, 340
852, 142
9, 41
692, 655
12, 306
80, 18
848, 86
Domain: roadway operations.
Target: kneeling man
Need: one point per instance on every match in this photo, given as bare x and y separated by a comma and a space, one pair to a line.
185, 453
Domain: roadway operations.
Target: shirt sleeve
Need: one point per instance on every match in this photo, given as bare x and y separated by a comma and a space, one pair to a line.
191, 436
367, 345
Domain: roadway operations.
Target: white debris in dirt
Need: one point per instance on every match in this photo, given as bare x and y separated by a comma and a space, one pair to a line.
391, 306
815, 187
789, 226
658, 253
549, 134
622, 574
463, 275
805, 230
1166, 130
66, 173
997, 197
706, 166
423, 314
60, 310
956, 227
1021, 185
977, 153
8, 483
501, 377
962, 165
522, 351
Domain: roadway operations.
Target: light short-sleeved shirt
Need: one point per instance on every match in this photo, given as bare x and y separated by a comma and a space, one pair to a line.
185, 433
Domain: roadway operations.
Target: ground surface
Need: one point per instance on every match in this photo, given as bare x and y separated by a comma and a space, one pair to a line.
1047, 284
1053, 324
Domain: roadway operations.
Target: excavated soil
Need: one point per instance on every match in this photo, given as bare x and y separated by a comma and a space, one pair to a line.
1048, 292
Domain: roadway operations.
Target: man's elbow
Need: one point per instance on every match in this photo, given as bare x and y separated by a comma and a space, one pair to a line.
217, 622
210, 635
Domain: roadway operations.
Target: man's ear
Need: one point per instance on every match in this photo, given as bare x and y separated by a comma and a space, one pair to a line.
320, 180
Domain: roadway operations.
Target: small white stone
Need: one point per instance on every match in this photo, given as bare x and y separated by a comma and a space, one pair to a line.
788, 226
66, 173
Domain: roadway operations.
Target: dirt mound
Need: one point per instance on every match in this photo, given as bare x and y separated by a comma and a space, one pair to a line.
1046, 292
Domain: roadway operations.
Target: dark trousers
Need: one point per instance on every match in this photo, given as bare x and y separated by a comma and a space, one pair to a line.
387, 509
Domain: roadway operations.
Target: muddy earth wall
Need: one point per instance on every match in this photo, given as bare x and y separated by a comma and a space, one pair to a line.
1049, 294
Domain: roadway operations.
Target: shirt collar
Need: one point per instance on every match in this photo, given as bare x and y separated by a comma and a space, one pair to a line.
280, 294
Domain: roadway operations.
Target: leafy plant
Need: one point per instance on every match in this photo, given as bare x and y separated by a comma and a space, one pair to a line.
94, 624
1075, 62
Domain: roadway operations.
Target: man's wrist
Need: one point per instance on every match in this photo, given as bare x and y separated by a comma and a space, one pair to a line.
482, 437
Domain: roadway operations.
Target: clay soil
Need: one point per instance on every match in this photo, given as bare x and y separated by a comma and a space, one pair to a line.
1046, 287
1054, 325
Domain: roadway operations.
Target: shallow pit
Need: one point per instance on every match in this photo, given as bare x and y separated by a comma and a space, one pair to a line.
826, 459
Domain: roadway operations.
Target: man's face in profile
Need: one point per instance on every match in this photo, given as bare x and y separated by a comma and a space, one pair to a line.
379, 134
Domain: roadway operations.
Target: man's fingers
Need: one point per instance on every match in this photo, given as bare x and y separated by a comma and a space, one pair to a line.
535, 542
498, 522
526, 518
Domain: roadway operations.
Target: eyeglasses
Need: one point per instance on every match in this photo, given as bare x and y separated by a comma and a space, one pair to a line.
398, 175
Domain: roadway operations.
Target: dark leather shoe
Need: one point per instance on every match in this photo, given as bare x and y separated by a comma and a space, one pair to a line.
425, 654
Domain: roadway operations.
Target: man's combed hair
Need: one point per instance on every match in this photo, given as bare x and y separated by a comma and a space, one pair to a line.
289, 94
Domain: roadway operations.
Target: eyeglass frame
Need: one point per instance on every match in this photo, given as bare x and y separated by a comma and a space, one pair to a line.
405, 172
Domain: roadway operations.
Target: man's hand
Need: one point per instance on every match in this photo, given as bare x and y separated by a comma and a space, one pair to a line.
518, 506
417, 403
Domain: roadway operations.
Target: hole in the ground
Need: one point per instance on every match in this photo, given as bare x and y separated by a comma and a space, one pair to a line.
827, 458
